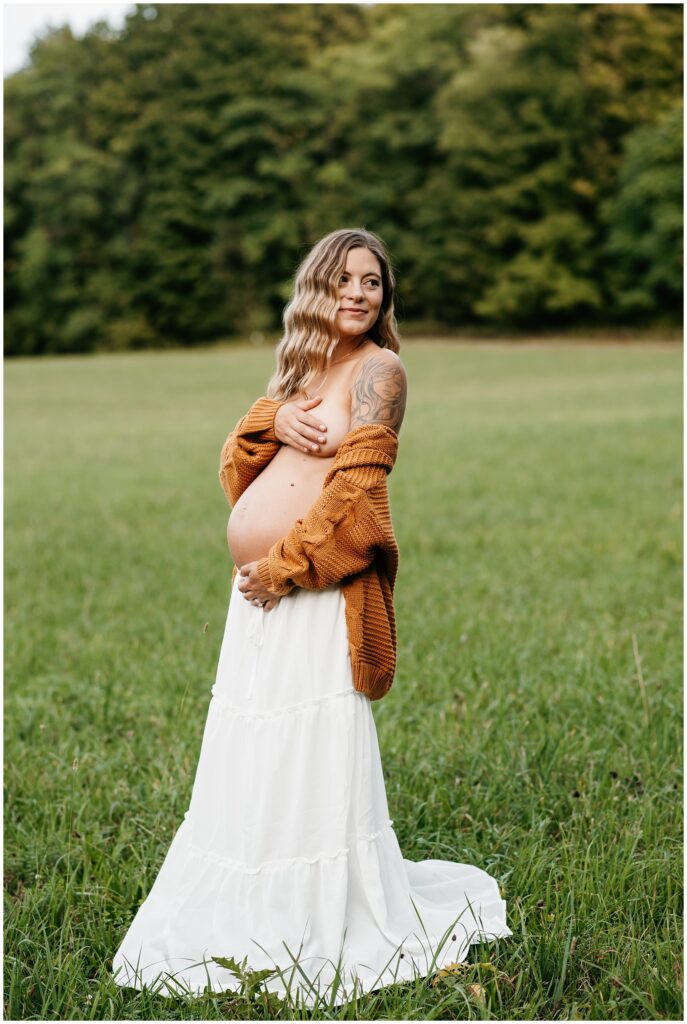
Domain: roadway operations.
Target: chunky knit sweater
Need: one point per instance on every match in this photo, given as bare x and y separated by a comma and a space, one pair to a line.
346, 536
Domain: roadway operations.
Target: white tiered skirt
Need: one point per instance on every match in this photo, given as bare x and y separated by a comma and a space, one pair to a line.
287, 855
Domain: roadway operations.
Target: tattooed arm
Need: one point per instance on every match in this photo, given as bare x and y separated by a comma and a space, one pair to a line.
379, 391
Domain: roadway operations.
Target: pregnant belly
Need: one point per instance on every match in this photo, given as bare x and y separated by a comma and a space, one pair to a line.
282, 493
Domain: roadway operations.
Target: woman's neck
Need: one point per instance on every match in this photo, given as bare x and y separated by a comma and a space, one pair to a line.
346, 348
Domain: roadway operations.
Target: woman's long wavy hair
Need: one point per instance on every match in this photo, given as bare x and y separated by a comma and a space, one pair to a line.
310, 333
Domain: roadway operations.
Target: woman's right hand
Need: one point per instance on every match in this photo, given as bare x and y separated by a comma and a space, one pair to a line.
295, 426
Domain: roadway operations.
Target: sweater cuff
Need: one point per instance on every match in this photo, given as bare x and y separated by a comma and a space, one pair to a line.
263, 571
261, 418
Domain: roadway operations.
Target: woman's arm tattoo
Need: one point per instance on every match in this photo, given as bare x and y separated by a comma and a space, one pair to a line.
379, 393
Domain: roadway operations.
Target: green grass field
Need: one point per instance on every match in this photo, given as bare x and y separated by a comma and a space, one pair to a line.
535, 723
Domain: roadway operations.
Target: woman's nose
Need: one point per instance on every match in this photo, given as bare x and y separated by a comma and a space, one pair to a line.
354, 290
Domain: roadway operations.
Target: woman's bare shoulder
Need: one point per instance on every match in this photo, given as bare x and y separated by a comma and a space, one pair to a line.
379, 357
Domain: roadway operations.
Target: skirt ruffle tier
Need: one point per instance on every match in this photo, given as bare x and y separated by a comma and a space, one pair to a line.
287, 856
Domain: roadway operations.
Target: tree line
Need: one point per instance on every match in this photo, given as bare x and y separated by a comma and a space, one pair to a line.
522, 162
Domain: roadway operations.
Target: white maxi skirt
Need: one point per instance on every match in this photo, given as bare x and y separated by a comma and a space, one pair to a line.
286, 858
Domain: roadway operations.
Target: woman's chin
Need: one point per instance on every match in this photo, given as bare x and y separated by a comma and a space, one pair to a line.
348, 329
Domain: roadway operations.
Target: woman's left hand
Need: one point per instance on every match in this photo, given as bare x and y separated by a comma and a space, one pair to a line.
253, 590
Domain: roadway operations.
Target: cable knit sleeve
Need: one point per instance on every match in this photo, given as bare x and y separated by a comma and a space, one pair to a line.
248, 448
342, 531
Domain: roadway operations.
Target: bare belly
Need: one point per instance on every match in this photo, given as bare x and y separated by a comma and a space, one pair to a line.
282, 493
289, 485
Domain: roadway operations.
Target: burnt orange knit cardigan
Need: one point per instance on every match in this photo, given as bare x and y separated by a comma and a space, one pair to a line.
346, 536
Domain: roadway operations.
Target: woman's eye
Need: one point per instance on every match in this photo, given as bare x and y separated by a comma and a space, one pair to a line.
375, 284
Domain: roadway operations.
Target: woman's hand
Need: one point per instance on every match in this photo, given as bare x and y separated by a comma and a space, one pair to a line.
293, 425
253, 590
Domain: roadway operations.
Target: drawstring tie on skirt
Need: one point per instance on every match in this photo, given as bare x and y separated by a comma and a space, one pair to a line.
256, 635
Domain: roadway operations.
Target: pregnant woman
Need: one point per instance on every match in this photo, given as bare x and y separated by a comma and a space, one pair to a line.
286, 861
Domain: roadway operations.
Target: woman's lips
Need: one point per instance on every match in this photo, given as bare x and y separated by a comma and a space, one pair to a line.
354, 312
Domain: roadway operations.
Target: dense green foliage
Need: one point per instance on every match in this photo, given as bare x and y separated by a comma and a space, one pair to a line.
162, 182
646, 218
534, 726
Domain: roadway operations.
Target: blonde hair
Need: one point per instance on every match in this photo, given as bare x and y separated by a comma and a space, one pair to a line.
310, 334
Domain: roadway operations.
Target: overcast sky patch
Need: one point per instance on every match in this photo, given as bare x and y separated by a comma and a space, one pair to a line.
23, 22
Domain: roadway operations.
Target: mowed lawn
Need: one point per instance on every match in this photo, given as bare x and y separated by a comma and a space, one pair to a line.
534, 725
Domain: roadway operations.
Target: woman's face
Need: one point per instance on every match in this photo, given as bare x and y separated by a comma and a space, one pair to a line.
359, 289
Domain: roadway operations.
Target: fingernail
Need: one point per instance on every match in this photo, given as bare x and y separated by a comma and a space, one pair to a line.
322, 426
